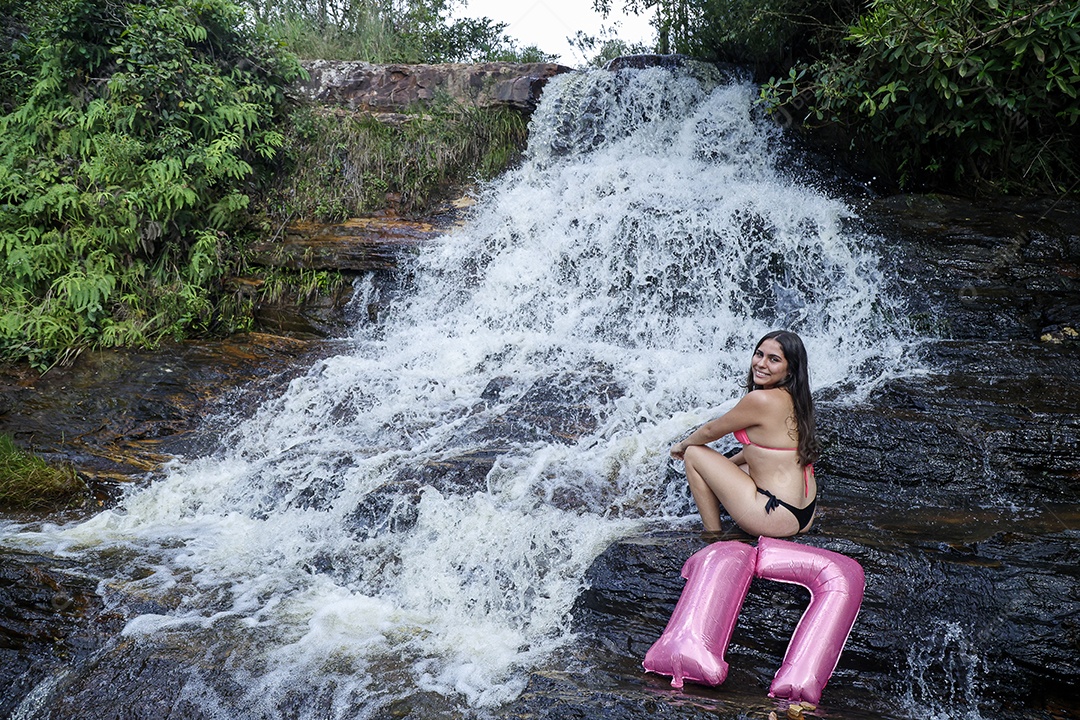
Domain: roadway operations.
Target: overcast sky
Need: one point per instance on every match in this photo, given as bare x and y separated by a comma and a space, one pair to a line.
547, 23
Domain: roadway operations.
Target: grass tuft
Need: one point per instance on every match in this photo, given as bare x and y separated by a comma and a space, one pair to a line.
342, 164
28, 482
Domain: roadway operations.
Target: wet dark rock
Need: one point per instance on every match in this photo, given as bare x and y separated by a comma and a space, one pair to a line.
117, 415
394, 506
356, 245
986, 270
712, 72
553, 409
135, 681
50, 616
377, 246
648, 60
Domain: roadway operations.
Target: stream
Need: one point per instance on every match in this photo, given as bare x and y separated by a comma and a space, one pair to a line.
467, 509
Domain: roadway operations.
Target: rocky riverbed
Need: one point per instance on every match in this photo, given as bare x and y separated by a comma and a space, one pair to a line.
957, 489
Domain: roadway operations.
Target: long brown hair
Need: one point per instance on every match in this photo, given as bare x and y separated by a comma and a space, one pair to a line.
797, 383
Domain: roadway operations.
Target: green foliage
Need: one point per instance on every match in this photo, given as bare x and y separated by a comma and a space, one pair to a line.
757, 33
17, 61
960, 91
341, 165
604, 47
27, 481
431, 38
388, 31
299, 286
371, 39
124, 170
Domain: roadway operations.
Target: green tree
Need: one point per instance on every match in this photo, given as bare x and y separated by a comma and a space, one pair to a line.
17, 61
384, 31
125, 167
761, 34
605, 46
974, 93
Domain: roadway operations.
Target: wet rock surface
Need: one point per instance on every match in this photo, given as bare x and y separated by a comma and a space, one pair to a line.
998, 270
50, 617
117, 415
957, 489
356, 245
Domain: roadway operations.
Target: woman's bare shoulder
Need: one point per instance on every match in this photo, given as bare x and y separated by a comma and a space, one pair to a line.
768, 396
770, 400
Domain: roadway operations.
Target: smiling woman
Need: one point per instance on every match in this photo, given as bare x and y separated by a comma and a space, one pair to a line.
779, 410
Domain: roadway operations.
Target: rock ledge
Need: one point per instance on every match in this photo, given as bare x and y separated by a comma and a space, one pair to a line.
388, 88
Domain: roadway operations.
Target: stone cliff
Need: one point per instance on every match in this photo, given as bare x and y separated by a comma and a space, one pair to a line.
388, 88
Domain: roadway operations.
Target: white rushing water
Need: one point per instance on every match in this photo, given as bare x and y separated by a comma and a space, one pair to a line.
603, 299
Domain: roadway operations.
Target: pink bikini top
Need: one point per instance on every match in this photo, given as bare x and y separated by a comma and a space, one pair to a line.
743, 438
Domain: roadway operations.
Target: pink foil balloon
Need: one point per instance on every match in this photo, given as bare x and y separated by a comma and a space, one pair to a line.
693, 643
836, 584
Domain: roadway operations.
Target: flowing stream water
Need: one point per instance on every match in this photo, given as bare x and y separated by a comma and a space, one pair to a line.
417, 513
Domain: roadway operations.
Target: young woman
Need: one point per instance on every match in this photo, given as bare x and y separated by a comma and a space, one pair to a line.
768, 487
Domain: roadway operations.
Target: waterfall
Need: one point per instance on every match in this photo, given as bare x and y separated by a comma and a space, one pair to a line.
417, 513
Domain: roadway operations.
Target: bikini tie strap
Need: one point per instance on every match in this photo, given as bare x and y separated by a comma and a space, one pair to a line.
774, 502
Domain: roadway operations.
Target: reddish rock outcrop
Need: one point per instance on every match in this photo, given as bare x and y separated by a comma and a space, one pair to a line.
389, 88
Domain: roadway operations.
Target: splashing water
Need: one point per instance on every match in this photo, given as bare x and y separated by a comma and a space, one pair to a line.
417, 514
944, 680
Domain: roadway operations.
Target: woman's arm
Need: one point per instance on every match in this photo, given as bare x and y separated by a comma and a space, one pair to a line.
746, 413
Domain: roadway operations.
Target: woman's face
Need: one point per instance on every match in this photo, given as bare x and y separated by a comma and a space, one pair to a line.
769, 367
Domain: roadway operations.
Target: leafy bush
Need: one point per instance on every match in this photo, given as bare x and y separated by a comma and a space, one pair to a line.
125, 169
605, 46
17, 61
761, 34
954, 91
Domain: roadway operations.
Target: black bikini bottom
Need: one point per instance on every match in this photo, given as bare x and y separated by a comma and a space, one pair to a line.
802, 515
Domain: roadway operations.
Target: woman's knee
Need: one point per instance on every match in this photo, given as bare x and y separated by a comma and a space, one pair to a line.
694, 454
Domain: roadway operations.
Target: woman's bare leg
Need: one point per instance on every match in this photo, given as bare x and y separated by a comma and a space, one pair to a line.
714, 481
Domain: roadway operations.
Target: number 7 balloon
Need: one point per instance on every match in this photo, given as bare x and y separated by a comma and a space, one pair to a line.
693, 644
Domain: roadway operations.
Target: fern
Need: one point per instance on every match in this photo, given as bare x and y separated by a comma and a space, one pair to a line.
124, 167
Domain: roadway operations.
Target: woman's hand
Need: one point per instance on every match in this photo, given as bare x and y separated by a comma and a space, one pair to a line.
678, 449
